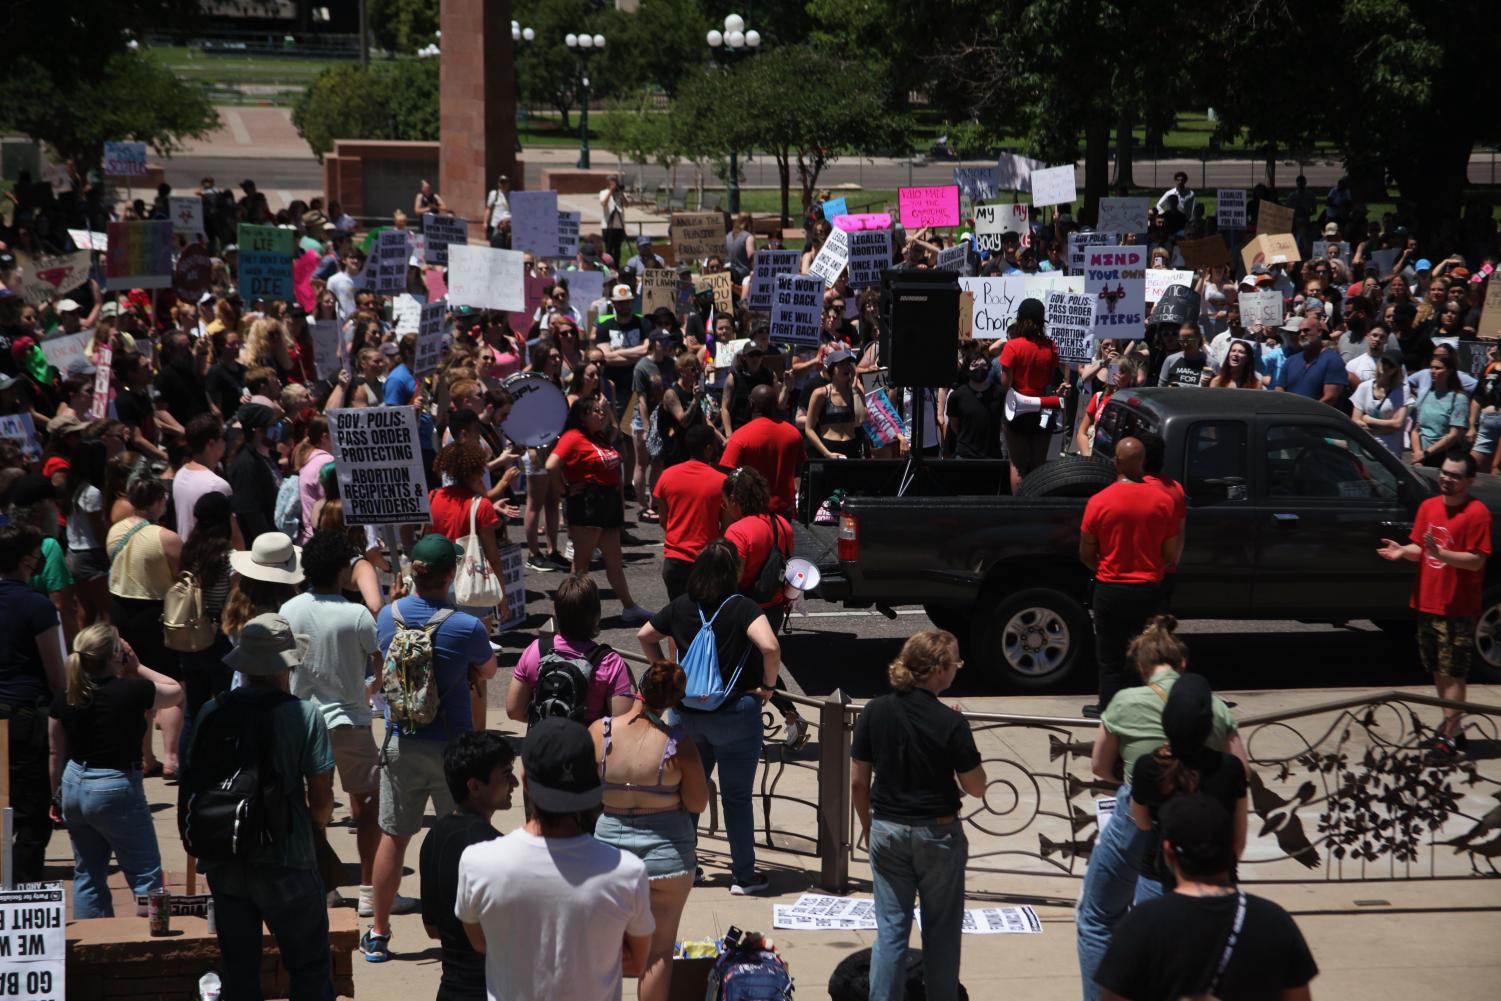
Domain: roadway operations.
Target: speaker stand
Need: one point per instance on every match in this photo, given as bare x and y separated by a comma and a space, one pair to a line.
917, 469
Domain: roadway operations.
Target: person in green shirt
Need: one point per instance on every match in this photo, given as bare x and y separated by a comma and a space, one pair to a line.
32, 501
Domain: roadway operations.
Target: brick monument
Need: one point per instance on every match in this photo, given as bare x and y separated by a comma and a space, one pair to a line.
476, 105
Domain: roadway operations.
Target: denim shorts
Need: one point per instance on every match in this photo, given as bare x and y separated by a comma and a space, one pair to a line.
1487, 433
664, 841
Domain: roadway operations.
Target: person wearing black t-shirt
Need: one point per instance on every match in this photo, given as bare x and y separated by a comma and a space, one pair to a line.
1205, 938
728, 735
97, 728
917, 748
975, 413
480, 770
252, 474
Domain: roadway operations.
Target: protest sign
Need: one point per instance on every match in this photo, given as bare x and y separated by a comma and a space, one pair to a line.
659, 290
1490, 313
724, 291
195, 268
326, 343
1122, 215
534, 222
61, 352
697, 235
140, 255
33, 947
1205, 253
769, 264
488, 278
124, 159
1230, 208
996, 300
1115, 277
1158, 279
568, 233
438, 232
520, 320
1014, 173
1341, 249
831, 257
835, 207
978, 183
432, 337
966, 315
992, 222
266, 261
883, 422
1270, 248
1179, 305
21, 428
795, 309
1070, 320
584, 287
1273, 218
47, 278
1078, 243
513, 586
1054, 186
1264, 308
104, 363
855, 221
928, 206
1384, 260
379, 463
85, 240
187, 215
955, 258
870, 254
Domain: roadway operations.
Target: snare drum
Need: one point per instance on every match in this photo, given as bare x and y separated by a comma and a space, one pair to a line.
540, 410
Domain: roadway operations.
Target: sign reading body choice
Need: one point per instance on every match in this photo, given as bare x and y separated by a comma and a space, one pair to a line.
379, 463
795, 310
996, 300
1116, 278
931, 206
33, 950
992, 222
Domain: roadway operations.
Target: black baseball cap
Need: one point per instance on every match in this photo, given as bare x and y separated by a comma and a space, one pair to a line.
1199, 830
1188, 715
561, 773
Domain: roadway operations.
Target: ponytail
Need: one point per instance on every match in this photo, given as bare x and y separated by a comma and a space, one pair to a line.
93, 653
1157, 645
921, 655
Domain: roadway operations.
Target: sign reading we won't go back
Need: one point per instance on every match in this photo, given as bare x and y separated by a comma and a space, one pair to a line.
32, 946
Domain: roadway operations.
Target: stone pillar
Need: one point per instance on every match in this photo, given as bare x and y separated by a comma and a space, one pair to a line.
476, 106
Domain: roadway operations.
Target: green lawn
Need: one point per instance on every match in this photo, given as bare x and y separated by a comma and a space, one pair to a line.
258, 78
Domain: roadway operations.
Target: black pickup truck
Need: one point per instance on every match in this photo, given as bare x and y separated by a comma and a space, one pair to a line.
1287, 504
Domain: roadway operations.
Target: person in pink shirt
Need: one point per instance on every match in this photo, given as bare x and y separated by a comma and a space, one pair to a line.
309, 486
205, 439
575, 613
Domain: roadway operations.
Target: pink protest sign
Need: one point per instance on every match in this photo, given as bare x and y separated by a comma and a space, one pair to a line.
935, 206
437, 288
863, 220
536, 293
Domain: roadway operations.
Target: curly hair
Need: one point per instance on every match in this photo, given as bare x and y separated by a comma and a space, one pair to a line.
923, 653
463, 461
266, 344
748, 489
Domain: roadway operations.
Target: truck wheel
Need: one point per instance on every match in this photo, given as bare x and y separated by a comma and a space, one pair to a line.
1032, 640
1069, 476
1487, 665
955, 620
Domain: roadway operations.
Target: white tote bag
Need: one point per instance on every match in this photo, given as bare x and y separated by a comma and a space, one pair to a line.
475, 585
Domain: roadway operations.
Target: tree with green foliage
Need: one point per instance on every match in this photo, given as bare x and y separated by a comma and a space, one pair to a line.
402, 26
387, 100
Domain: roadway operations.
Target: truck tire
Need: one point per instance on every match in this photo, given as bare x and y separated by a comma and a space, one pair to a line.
1037, 639
1069, 476
1486, 667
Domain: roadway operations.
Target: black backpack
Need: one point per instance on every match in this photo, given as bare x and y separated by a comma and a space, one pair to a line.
563, 682
770, 581
233, 802
851, 978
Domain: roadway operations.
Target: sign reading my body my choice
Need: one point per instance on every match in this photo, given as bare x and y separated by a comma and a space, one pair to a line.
379, 463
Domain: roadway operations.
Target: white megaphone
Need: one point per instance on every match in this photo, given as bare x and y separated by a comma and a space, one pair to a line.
801, 576
1016, 403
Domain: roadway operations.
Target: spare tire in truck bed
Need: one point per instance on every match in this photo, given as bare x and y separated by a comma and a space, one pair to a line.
1069, 476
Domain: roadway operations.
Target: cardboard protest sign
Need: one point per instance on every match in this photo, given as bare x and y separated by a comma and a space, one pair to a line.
659, 290
61, 352
1230, 208
1158, 279
1490, 313
194, 269
124, 159
1205, 253
534, 222
870, 254
1014, 173
520, 320
266, 261
104, 363
439, 231
187, 215
955, 258
1054, 186
966, 315
1078, 243
854, 221
487, 278
326, 345
21, 428
1070, 322
928, 206
513, 585
696, 235
796, 308
1179, 304
1341, 249
1270, 248
432, 337
379, 462
140, 255
831, 257
1122, 215
1273, 218
834, 208
1116, 277
996, 300
992, 222
47, 278
883, 422
724, 291
84, 240
1264, 308
769, 264
978, 183
568, 233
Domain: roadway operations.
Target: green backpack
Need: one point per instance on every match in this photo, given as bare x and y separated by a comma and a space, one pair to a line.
407, 681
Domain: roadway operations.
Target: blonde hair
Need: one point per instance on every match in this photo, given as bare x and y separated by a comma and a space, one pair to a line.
1156, 644
266, 344
93, 654
923, 653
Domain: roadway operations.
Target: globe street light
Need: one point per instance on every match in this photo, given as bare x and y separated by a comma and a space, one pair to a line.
519, 36
734, 40
584, 45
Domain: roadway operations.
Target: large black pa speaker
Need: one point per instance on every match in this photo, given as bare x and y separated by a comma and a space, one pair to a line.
920, 327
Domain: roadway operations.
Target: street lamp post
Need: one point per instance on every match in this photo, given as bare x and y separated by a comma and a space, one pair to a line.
585, 45
733, 41
519, 35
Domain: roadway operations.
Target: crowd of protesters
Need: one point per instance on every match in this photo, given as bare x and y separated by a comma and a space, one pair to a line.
211, 461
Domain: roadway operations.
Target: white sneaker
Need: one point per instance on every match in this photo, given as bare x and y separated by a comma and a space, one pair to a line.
568, 552
401, 905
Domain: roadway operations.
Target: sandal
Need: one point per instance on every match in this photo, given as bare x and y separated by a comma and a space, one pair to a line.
648, 515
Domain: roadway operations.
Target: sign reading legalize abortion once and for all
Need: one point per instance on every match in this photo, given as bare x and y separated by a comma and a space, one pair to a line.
379, 461
1230, 208
439, 231
870, 254
831, 257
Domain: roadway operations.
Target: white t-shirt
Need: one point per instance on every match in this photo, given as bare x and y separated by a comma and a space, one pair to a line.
555, 912
189, 485
80, 530
499, 205
341, 637
342, 286
1365, 401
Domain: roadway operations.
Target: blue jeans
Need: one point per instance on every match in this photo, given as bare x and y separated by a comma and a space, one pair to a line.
1110, 882
106, 812
292, 904
922, 862
731, 737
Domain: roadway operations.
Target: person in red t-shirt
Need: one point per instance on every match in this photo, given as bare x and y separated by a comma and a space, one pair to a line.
1129, 537
1029, 364
688, 495
1450, 542
771, 447
585, 469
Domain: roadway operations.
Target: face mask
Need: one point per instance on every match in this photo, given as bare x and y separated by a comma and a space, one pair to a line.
978, 374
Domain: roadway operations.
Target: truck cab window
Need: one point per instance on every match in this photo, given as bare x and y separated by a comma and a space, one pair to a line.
1322, 462
1119, 422
1214, 462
